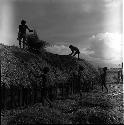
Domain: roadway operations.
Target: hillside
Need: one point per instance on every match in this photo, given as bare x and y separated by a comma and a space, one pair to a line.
16, 64
95, 107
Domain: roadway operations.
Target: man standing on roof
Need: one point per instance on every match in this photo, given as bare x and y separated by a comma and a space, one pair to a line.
22, 33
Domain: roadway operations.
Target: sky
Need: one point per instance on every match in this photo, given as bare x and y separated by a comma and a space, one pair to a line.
94, 26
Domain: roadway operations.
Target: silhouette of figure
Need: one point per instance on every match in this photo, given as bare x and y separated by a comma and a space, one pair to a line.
122, 72
74, 50
119, 75
103, 78
44, 88
76, 80
22, 33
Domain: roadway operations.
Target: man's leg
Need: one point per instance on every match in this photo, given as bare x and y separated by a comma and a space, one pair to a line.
20, 43
23, 43
76, 53
19, 39
24, 40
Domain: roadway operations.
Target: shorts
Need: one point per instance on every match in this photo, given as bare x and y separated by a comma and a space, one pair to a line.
20, 36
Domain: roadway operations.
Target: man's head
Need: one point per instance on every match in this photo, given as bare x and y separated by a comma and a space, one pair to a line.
70, 46
23, 22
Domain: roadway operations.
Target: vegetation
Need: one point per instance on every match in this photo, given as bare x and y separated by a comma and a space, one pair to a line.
71, 111
33, 42
20, 67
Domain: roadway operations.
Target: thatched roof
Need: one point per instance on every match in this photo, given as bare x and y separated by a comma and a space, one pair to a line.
17, 64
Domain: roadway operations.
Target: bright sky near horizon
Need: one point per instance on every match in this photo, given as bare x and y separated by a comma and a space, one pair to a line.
94, 26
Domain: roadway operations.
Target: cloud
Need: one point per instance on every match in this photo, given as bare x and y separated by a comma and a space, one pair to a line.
59, 49
113, 3
103, 47
6, 22
112, 40
64, 50
87, 51
106, 46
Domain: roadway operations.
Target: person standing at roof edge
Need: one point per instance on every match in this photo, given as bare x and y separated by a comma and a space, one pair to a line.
22, 33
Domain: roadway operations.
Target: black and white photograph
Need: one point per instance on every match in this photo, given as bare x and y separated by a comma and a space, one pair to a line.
61, 62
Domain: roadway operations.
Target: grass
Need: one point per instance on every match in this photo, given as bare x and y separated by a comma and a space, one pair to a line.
94, 108
95, 115
101, 106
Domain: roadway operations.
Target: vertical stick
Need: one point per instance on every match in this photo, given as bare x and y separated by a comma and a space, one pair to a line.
21, 95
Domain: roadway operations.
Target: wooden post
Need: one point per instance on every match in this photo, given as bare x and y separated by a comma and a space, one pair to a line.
21, 95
